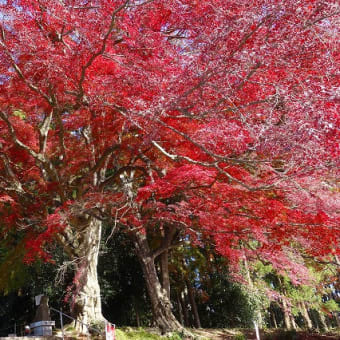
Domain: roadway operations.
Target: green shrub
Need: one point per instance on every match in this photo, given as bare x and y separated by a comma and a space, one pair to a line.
174, 336
131, 334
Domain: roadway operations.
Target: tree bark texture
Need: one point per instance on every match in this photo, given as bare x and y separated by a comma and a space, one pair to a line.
337, 318
137, 315
164, 261
87, 306
286, 314
292, 321
180, 310
184, 309
304, 312
161, 305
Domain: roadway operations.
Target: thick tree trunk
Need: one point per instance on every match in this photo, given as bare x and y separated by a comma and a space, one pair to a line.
87, 306
197, 321
161, 305
286, 314
304, 312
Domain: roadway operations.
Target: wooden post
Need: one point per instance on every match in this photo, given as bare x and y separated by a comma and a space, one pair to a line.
61, 324
256, 330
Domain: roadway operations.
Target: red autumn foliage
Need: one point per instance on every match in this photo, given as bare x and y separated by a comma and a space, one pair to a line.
219, 117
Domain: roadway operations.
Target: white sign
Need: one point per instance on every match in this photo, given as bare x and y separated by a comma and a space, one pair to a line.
110, 331
37, 299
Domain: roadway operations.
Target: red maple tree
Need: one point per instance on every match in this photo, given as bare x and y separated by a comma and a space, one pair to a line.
214, 117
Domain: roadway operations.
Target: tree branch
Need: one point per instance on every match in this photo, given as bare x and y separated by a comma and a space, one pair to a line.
43, 132
61, 134
121, 170
41, 158
166, 244
211, 165
11, 130
20, 73
17, 186
100, 51
101, 160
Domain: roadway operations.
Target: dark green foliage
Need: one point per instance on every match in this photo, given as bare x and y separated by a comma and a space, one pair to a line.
13, 271
239, 337
20, 282
228, 305
275, 310
124, 296
15, 308
221, 302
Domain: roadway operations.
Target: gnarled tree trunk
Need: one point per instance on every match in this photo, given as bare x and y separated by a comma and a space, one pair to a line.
86, 301
161, 305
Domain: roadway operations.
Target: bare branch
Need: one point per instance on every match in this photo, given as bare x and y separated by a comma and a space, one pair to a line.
200, 146
85, 7
61, 134
211, 165
142, 3
210, 73
15, 183
102, 160
43, 132
316, 260
247, 36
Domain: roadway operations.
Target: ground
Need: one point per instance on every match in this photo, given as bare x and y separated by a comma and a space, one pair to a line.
130, 333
